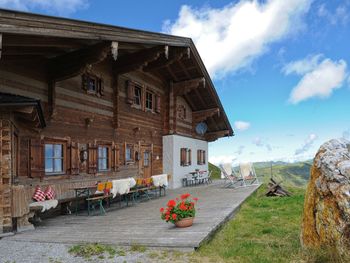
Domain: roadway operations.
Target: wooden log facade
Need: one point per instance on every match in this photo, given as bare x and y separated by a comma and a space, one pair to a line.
81, 102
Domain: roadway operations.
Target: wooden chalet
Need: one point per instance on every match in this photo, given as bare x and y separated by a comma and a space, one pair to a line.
81, 102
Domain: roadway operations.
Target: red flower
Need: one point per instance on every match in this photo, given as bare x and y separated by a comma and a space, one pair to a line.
171, 203
195, 199
162, 210
167, 212
182, 206
167, 217
185, 196
174, 216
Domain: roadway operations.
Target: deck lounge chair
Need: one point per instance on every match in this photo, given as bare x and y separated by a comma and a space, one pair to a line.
248, 174
231, 179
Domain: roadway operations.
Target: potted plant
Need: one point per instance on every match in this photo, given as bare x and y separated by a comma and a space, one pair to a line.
180, 211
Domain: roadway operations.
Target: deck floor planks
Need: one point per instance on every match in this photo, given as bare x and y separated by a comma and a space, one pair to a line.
141, 224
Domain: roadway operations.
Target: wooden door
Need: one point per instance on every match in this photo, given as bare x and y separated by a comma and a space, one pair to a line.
146, 161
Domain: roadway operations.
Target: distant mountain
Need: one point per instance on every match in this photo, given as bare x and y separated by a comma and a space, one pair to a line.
291, 174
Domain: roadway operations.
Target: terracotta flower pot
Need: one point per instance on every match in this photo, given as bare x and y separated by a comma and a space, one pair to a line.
184, 222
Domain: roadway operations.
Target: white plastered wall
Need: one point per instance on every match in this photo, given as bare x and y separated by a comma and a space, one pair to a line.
171, 157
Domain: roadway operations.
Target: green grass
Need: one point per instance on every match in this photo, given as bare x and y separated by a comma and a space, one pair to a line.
88, 250
215, 171
266, 229
138, 248
292, 174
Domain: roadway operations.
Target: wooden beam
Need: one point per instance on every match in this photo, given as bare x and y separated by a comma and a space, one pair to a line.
184, 87
0, 45
139, 59
218, 134
74, 63
202, 115
175, 54
116, 102
25, 110
51, 98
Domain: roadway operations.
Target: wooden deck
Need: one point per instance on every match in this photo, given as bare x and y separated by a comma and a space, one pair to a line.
141, 224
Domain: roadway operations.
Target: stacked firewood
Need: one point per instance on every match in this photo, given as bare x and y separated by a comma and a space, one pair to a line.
275, 189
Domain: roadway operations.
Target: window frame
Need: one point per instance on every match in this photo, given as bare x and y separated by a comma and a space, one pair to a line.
145, 90
132, 153
201, 160
188, 157
148, 92
98, 84
107, 158
63, 158
140, 88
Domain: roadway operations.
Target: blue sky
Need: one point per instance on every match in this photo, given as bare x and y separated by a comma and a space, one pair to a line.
281, 68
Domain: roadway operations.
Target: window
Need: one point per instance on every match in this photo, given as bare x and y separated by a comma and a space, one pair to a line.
53, 158
129, 153
200, 157
103, 161
92, 84
149, 101
185, 158
146, 160
137, 96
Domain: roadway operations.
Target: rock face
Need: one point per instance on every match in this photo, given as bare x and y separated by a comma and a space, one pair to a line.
326, 219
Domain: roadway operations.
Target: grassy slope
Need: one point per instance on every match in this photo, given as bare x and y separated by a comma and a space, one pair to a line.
292, 174
265, 230
215, 171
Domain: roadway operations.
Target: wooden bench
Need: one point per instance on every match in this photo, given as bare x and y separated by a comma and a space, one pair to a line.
96, 201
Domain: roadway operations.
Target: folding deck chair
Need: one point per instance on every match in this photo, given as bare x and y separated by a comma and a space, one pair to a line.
231, 179
248, 174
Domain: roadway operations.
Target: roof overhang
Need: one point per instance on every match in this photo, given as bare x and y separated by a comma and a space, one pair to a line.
25, 108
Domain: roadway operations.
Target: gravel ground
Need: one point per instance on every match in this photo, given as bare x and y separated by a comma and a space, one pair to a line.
27, 252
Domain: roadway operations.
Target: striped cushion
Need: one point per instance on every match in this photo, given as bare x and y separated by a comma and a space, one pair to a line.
39, 194
49, 193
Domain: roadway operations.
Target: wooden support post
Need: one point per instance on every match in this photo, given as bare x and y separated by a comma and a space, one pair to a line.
0, 45
175, 54
116, 101
52, 98
202, 115
139, 59
183, 87
74, 63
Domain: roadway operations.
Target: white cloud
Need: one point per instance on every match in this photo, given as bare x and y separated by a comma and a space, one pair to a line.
230, 38
302, 66
60, 7
320, 78
240, 149
258, 142
308, 143
241, 125
340, 14
222, 159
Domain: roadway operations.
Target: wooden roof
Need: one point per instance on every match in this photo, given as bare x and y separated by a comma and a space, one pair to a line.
56, 41
27, 109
